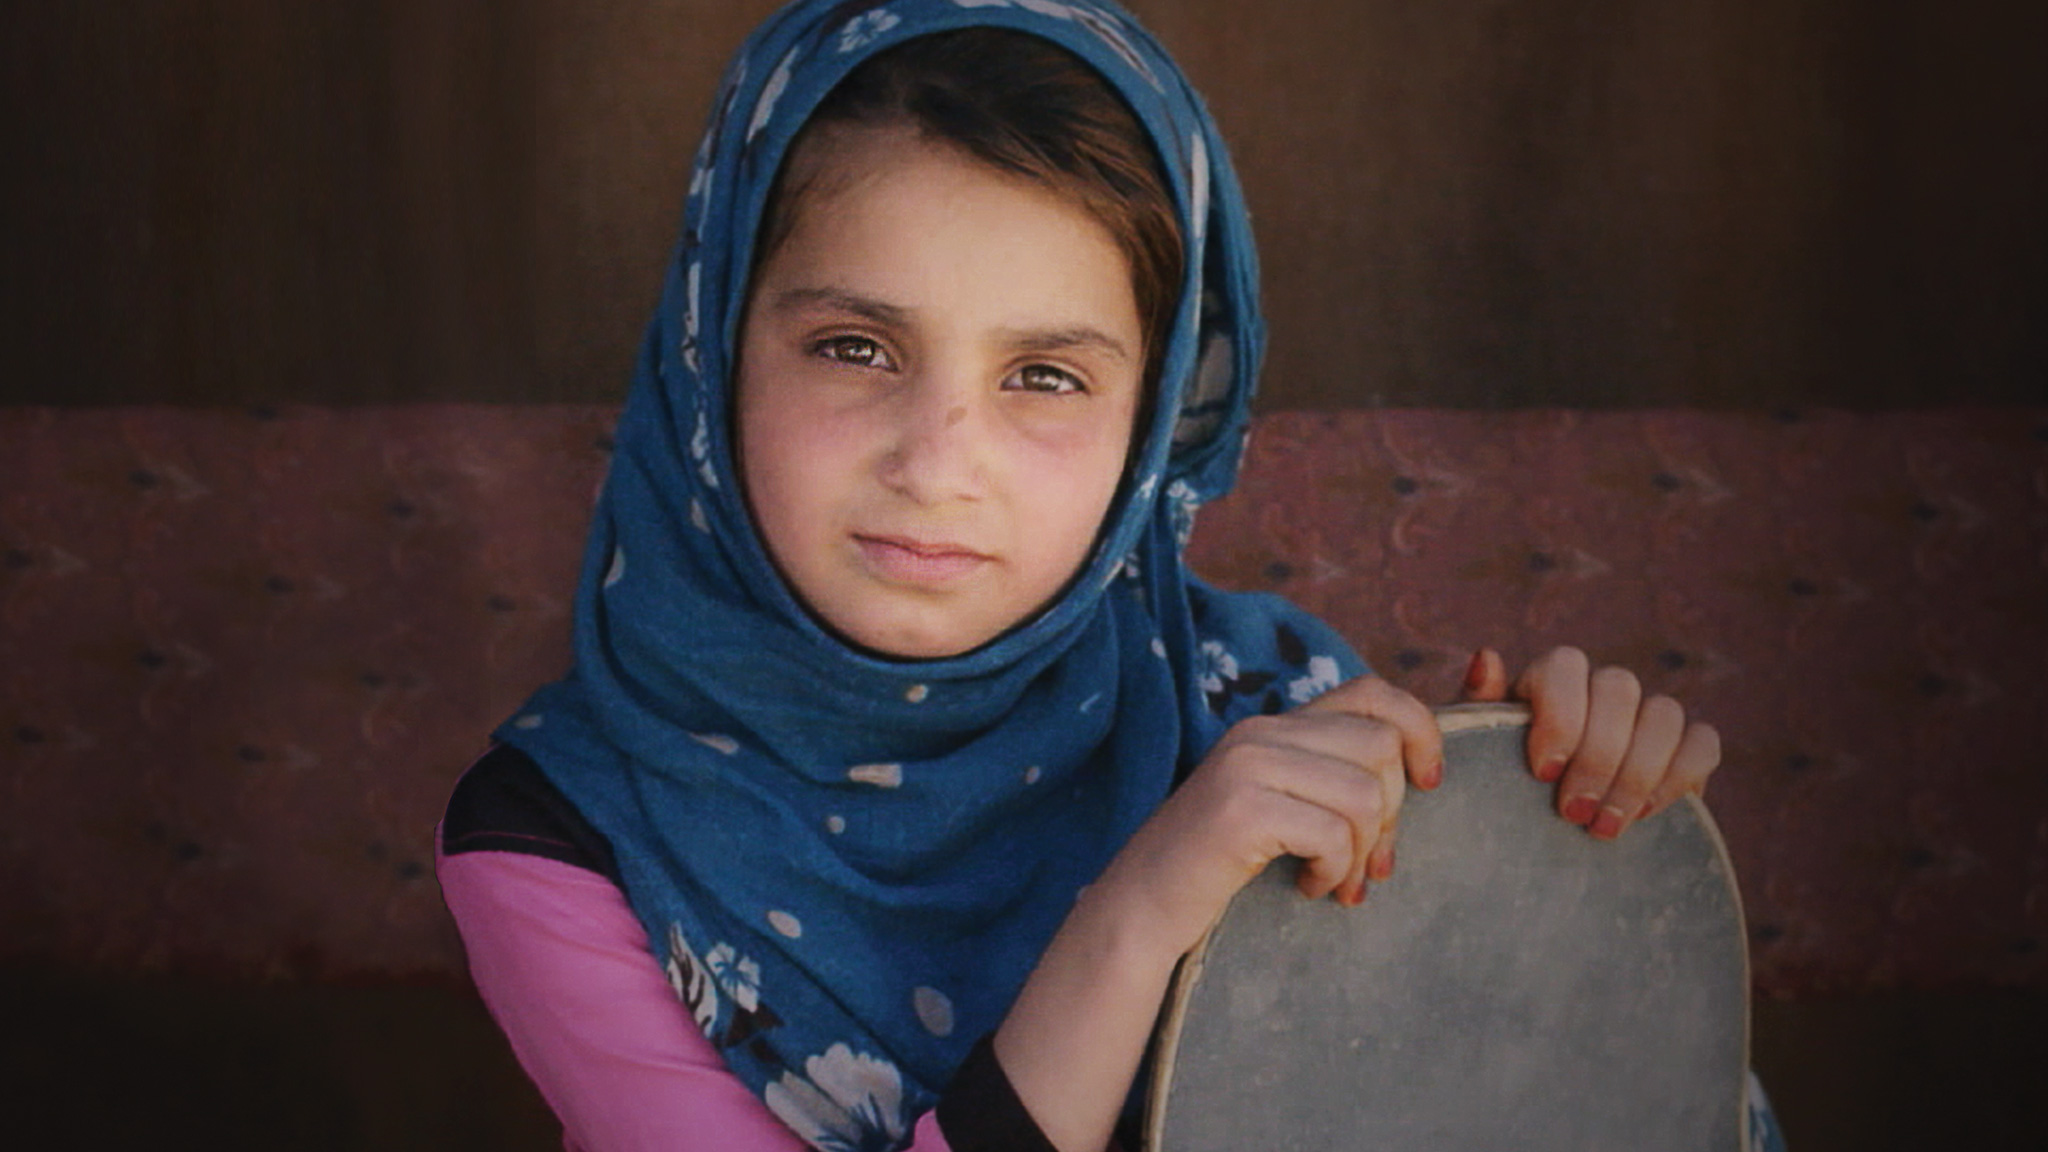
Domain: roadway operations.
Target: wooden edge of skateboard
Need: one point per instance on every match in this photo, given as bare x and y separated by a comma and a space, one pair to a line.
1713, 831
1473, 717
1450, 719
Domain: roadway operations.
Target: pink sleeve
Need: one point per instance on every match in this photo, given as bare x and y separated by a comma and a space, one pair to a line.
563, 965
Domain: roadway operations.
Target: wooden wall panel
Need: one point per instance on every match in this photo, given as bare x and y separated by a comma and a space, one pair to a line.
1751, 203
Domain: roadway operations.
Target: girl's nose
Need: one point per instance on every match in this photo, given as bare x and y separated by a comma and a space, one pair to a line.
939, 448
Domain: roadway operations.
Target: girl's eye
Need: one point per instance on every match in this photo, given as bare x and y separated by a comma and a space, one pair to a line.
858, 351
1044, 378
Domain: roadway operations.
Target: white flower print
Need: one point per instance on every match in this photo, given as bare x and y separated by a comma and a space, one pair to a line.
862, 29
764, 108
1215, 665
692, 284
692, 981
1107, 31
700, 450
1182, 511
1322, 676
738, 976
700, 166
844, 1102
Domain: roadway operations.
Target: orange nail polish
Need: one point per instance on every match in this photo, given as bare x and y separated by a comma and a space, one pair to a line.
1475, 672
1580, 809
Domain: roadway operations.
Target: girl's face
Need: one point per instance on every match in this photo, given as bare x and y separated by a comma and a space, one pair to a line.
939, 373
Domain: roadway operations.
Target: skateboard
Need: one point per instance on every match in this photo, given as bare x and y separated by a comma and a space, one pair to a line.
1515, 984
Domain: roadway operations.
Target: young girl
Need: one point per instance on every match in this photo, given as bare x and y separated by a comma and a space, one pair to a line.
894, 773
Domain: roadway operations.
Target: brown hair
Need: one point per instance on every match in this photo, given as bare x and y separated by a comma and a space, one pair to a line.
1025, 106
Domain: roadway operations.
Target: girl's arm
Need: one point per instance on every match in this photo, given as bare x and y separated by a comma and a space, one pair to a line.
564, 968
563, 965
1323, 783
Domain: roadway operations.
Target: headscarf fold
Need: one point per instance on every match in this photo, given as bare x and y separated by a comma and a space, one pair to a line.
849, 864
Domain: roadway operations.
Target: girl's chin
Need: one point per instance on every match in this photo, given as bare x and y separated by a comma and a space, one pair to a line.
896, 648
915, 639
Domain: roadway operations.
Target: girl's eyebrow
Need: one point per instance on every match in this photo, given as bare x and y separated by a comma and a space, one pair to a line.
865, 307
1025, 340
1061, 339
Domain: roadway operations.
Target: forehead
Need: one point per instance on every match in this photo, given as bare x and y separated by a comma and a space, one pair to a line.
918, 219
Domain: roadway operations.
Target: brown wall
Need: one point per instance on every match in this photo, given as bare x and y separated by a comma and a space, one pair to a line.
1731, 203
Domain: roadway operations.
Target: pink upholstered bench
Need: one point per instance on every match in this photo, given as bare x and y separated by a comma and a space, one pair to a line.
243, 655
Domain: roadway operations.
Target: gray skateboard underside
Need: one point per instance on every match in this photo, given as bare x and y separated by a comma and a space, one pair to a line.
1515, 985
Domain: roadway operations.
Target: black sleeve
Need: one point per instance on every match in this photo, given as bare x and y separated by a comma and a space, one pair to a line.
504, 803
980, 1112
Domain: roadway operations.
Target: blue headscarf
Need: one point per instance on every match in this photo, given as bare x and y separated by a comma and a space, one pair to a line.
848, 864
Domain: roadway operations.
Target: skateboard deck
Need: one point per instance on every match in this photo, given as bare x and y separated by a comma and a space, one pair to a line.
1515, 984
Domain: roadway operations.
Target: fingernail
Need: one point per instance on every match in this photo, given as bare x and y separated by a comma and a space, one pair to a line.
1608, 824
1580, 809
1434, 777
1381, 865
1475, 672
1644, 811
1551, 768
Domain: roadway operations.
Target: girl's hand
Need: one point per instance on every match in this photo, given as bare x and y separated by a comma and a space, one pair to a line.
1617, 756
1323, 782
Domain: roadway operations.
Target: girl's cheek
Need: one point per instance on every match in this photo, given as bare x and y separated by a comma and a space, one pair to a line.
1071, 427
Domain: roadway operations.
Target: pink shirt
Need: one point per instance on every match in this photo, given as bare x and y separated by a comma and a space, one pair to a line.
564, 966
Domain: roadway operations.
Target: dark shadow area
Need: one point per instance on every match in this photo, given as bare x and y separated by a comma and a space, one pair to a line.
127, 1060
94, 1061
1609, 203
1907, 1070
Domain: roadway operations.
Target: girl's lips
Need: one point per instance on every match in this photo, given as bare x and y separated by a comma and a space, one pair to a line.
919, 562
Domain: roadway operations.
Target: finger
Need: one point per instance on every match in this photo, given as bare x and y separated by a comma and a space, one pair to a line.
1324, 842
1698, 754
1613, 697
1420, 754
1555, 687
1316, 755
1660, 721
1486, 677
1422, 743
1357, 800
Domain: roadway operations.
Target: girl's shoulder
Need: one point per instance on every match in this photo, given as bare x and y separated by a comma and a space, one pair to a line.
505, 803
